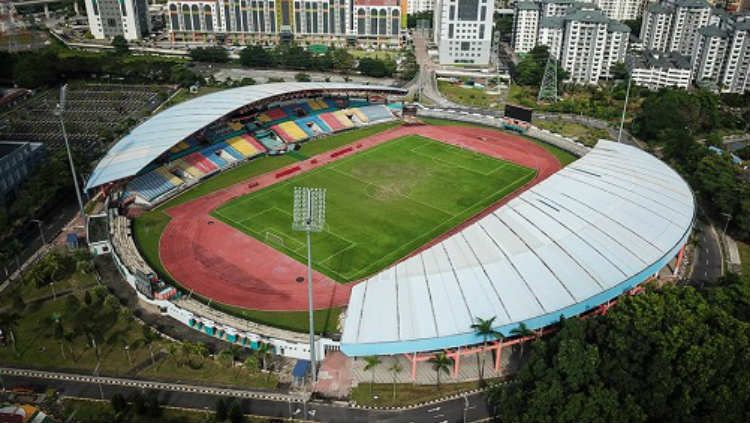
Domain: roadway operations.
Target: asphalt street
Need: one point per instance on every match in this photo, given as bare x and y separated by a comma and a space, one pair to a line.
470, 409
707, 259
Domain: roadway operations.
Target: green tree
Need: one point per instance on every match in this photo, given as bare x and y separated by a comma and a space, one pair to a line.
9, 323
120, 45
222, 410
371, 362
119, 403
377, 68
342, 61
235, 412
673, 354
521, 331
395, 368
302, 77
147, 339
619, 71
209, 54
483, 328
441, 363
256, 57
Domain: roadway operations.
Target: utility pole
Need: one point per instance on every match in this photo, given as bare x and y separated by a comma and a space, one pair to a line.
309, 216
624, 108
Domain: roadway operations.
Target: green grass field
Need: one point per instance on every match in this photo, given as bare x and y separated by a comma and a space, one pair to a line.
381, 204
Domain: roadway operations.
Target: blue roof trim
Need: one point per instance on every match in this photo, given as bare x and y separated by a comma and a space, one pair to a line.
433, 344
158, 134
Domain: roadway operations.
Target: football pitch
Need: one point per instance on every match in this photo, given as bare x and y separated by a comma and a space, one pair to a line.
381, 204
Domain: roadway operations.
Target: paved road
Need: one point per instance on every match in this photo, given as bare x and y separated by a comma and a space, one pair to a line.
271, 405
707, 259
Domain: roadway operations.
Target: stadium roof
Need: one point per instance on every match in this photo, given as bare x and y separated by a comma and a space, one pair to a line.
156, 135
593, 230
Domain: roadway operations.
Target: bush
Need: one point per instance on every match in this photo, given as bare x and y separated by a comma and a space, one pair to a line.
302, 77
210, 54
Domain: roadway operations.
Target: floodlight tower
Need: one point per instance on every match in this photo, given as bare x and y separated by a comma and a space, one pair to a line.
310, 216
59, 112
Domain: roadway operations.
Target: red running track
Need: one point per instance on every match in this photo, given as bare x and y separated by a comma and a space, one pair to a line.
219, 262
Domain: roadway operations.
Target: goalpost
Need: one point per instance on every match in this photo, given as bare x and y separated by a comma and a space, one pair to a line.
274, 238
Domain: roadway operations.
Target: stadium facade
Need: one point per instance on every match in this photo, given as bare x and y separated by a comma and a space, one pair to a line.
365, 23
567, 246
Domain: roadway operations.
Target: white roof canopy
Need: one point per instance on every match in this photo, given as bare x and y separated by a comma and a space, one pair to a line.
160, 133
593, 230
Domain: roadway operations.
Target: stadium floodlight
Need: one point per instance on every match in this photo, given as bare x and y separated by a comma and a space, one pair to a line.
310, 216
59, 113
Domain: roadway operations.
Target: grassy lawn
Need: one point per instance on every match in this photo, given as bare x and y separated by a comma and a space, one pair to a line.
406, 393
37, 346
210, 372
562, 156
98, 411
403, 193
468, 96
585, 134
326, 321
375, 54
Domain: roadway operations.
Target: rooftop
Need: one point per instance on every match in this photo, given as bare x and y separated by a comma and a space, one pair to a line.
713, 31
552, 22
588, 233
617, 26
649, 59
527, 5
158, 134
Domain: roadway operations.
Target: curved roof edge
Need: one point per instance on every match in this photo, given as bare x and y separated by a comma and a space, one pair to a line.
583, 236
158, 134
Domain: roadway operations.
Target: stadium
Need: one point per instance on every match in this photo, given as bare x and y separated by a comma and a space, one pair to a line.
429, 226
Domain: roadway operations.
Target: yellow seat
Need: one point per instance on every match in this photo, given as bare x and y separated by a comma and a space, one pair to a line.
235, 126
187, 167
244, 147
169, 176
293, 130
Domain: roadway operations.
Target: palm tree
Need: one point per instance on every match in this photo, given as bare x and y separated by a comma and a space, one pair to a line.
522, 331
441, 363
9, 324
251, 363
483, 328
173, 353
264, 350
147, 339
201, 350
53, 324
370, 363
395, 369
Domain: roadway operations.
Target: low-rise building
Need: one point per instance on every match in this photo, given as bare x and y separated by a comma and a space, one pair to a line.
656, 70
17, 160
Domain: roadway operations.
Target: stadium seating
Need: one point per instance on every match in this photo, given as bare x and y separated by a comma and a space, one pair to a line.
254, 142
270, 140
200, 162
332, 122
376, 112
289, 132
343, 118
313, 125
151, 185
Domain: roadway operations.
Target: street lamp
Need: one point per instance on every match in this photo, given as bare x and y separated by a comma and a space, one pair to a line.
624, 108
726, 225
59, 112
309, 216
41, 230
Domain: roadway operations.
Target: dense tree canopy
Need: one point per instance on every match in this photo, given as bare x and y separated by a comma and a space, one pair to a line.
673, 120
675, 354
530, 70
209, 54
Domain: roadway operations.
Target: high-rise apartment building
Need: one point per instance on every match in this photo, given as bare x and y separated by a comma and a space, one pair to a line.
525, 26
463, 31
367, 23
109, 18
689, 17
417, 6
656, 26
722, 56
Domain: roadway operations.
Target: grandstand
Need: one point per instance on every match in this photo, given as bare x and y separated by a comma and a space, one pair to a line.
564, 247
266, 126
